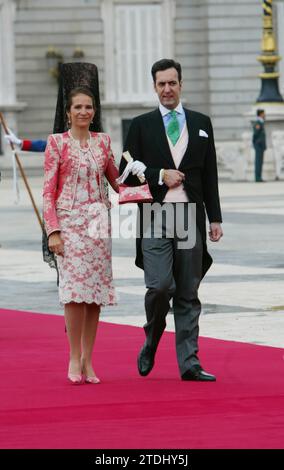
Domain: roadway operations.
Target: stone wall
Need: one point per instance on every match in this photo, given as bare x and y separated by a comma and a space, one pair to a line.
216, 41
234, 38
191, 50
64, 24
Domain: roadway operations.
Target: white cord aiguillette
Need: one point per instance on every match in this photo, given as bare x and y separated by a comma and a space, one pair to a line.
16, 189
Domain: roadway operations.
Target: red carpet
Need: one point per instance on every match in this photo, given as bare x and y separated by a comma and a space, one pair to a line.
39, 409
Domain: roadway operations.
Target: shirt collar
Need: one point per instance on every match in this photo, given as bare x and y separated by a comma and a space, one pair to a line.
164, 111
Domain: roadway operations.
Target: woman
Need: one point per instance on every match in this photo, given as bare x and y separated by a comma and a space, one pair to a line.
75, 163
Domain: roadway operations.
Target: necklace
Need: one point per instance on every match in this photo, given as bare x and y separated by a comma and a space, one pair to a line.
77, 142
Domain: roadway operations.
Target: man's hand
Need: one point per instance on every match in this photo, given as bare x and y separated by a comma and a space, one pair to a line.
12, 138
173, 178
215, 232
56, 244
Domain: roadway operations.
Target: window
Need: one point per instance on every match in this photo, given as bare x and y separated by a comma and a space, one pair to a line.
138, 44
125, 124
136, 34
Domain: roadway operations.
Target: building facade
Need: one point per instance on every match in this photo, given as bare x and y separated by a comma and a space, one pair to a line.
216, 41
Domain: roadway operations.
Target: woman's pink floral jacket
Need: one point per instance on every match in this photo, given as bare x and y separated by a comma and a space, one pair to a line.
61, 168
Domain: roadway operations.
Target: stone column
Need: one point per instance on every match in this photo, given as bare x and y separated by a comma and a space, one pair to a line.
8, 102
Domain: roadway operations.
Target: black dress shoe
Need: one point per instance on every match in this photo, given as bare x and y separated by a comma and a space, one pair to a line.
145, 360
198, 374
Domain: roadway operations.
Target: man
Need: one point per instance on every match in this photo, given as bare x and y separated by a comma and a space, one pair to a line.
174, 149
259, 143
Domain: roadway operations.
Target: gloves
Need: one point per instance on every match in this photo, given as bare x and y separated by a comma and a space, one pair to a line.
133, 166
11, 137
138, 168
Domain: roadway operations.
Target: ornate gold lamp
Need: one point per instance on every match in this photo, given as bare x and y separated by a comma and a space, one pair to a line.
269, 78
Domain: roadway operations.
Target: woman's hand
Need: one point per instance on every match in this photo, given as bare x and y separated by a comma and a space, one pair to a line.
56, 244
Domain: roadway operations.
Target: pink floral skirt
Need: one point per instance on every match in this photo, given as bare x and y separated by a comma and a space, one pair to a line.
85, 270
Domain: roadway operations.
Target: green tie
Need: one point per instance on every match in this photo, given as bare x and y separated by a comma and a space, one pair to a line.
173, 128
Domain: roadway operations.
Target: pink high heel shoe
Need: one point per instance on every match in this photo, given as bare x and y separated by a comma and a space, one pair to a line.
75, 379
92, 379
89, 379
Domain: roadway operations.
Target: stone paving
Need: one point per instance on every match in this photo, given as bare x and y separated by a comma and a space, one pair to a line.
242, 294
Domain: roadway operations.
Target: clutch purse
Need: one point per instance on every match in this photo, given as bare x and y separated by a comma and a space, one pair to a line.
128, 194
134, 194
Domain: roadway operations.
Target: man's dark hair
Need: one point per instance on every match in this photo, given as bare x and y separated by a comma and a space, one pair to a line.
165, 64
259, 112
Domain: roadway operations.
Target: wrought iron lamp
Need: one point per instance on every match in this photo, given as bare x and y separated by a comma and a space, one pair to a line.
55, 58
